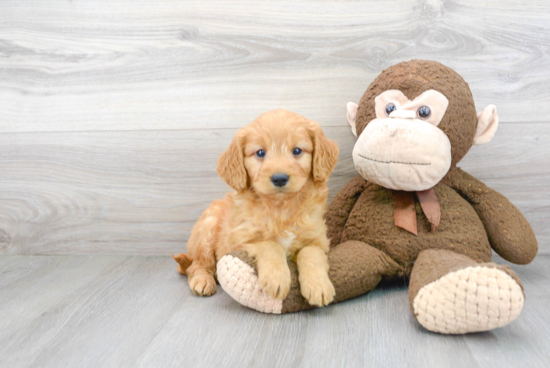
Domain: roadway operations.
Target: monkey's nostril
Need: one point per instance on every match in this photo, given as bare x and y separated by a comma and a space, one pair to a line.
279, 179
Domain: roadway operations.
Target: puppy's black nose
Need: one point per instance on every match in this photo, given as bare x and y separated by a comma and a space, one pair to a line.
279, 179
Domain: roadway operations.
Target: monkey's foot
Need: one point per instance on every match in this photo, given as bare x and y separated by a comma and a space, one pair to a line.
239, 279
471, 299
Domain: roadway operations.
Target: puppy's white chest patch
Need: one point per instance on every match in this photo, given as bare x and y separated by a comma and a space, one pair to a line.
287, 240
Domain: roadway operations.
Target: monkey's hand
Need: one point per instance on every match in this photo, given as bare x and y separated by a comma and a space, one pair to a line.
509, 233
340, 208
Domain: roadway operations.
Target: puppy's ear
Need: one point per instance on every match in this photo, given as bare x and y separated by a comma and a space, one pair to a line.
231, 164
325, 154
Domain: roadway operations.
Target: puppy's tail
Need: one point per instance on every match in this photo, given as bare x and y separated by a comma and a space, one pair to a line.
184, 261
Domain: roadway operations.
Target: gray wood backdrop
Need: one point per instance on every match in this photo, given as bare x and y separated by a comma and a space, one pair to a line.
113, 113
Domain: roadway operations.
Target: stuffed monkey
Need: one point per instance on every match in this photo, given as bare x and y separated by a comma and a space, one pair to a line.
411, 212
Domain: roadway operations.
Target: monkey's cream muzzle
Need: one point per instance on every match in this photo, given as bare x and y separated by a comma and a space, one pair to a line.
402, 154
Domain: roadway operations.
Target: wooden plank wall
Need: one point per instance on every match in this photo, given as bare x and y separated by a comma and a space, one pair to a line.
113, 113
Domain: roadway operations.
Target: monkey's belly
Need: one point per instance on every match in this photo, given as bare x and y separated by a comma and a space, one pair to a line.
372, 221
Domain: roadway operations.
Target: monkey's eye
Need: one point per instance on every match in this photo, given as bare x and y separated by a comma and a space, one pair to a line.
260, 154
389, 108
424, 112
296, 151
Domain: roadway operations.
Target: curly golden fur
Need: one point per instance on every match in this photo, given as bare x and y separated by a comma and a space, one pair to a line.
271, 222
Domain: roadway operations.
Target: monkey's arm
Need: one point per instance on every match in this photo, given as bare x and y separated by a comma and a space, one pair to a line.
340, 208
509, 233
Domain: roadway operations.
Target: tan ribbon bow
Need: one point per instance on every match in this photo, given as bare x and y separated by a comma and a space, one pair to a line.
404, 209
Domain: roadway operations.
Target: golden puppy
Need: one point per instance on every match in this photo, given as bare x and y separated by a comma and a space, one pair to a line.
279, 166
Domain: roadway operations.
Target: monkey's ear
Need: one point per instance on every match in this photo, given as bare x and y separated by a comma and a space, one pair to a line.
352, 114
487, 123
231, 164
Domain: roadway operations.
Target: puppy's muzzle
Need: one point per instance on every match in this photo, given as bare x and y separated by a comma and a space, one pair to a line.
279, 179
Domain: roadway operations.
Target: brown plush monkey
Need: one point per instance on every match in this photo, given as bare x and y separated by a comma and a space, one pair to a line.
411, 212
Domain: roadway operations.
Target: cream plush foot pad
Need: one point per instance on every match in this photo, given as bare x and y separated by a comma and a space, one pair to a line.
240, 281
469, 300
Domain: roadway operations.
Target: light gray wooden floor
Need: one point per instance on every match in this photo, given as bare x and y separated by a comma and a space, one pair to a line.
125, 311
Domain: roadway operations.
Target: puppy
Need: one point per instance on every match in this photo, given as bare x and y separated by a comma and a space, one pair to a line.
279, 166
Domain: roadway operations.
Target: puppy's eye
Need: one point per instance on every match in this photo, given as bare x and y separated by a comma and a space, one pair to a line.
424, 112
297, 151
390, 108
260, 154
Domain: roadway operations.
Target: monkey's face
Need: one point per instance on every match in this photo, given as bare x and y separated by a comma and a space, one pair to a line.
403, 148
411, 145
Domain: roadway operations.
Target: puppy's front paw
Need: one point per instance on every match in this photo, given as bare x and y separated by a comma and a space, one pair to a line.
318, 290
202, 285
275, 281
